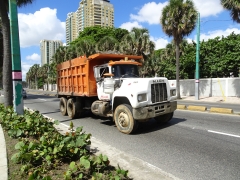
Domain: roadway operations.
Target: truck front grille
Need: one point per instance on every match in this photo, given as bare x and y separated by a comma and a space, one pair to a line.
158, 92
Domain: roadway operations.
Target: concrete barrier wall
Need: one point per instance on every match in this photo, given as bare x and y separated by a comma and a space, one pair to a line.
51, 87
210, 87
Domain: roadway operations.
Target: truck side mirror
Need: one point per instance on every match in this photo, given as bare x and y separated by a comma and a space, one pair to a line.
96, 71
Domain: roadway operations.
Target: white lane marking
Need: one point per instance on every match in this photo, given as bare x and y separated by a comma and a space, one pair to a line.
226, 134
42, 99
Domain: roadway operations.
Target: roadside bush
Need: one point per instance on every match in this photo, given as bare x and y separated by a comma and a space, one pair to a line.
41, 148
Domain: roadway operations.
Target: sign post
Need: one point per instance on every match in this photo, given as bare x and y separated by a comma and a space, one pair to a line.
16, 59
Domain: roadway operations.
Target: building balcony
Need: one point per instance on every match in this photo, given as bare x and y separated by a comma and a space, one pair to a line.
97, 23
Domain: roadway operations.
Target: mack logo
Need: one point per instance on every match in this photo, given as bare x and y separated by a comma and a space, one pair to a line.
158, 81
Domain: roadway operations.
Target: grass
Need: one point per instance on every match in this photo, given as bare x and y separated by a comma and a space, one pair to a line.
14, 170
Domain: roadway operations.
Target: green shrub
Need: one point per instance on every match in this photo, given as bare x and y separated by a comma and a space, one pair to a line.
41, 148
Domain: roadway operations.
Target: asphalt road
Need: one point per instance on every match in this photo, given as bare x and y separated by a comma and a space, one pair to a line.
194, 145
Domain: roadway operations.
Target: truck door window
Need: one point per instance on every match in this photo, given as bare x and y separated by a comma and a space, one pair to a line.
103, 71
125, 70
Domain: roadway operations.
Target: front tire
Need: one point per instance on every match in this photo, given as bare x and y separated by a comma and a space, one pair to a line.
164, 118
124, 119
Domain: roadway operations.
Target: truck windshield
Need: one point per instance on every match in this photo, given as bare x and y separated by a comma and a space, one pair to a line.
125, 71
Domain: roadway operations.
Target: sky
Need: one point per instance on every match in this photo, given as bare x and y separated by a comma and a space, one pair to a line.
45, 19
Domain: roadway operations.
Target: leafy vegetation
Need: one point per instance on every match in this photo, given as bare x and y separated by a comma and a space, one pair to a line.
42, 149
91, 40
218, 58
234, 7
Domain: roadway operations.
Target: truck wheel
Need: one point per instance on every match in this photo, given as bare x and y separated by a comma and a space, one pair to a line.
71, 108
63, 106
124, 119
164, 118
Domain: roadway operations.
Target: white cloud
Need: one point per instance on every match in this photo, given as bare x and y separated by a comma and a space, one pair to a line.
34, 57
25, 68
149, 13
159, 42
208, 7
43, 24
130, 25
220, 33
189, 40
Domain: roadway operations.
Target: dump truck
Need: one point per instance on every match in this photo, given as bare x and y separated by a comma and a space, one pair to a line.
109, 85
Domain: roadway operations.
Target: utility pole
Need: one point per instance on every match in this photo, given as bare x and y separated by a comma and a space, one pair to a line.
16, 59
197, 60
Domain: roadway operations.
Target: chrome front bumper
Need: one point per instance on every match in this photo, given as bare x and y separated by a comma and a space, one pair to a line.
143, 113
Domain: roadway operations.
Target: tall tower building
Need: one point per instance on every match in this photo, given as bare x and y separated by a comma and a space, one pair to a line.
71, 27
95, 12
48, 49
89, 13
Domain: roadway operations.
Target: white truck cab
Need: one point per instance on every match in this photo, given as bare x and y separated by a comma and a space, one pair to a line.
128, 98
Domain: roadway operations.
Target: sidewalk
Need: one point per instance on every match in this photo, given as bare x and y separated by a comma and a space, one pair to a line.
231, 100
3, 157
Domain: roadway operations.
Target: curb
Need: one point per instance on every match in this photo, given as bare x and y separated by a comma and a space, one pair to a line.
180, 106
197, 108
3, 156
221, 110
204, 109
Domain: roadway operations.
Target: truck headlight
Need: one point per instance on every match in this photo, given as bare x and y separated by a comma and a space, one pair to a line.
173, 92
142, 97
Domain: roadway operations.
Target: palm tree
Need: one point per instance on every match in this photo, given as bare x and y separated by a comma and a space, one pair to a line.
85, 47
52, 78
7, 63
30, 78
34, 70
60, 55
178, 20
107, 43
43, 73
234, 7
70, 52
137, 42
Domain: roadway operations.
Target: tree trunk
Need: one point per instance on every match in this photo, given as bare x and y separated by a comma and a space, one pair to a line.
36, 82
177, 71
7, 63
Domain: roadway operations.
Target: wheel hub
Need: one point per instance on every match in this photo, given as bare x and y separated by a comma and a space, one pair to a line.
123, 119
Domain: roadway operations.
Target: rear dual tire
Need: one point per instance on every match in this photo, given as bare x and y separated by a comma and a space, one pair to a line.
71, 107
63, 106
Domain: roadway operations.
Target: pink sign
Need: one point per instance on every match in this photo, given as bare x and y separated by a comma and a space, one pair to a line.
17, 75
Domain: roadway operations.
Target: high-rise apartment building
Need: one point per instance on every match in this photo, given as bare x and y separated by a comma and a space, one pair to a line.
89, 13
95, 12
71, 27
48, 49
